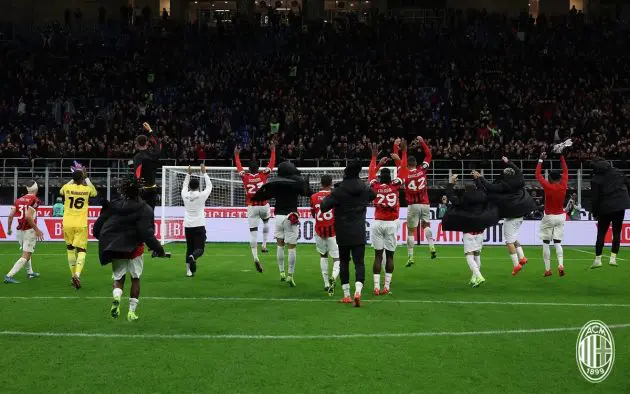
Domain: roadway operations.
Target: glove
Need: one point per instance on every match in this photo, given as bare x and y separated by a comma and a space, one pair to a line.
77, 166
294, 218
558, 148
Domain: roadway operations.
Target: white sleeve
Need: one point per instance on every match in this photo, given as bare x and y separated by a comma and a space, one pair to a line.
185, 191
206, 192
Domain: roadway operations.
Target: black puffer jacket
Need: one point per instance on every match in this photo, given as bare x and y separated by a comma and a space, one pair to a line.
609, 189
509, 194
285, 188
123, 226
350, 199
470, 213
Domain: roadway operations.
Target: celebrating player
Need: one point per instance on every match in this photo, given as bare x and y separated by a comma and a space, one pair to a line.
472, 214
194, 217
514, 202
552, 224
28, 231
76, 195
122, 229
146, 163
285, 188
387, 207
417, 196
325, 239
256, 210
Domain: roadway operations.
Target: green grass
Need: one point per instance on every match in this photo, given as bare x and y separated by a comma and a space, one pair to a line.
251, 306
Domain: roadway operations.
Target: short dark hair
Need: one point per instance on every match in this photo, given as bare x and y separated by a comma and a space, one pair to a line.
130, 186
327, 180
253, 166
353, 169
142, 140
77, 176
386, 175
411, 160
194, 184
555, 176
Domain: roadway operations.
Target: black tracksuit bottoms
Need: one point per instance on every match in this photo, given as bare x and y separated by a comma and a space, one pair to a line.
358, 257
603, 223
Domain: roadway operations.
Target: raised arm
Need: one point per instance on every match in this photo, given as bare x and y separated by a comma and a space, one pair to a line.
543, 182
403, 171
450, 193
237, 161
185, 190
272, 159
156, 145
90, 185
208, 189
372, 169
565, 171
427, 153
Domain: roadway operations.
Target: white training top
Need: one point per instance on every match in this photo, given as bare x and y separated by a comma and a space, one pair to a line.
195, 202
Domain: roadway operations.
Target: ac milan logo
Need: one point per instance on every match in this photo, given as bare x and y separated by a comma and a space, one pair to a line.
595, 351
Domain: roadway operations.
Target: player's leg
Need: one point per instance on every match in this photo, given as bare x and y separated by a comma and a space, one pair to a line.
547, 256
80, 244
321, 245
425, 223
291, 237
558, 236
477, 258
199, 242
188, 232
469, 247
252, 222
413, 218
617, 223
603, 223
19, 264
344, 273
333, 251
358, 256
389, 270
68, 237
135, 267
376, 269
546, 234
510, 231
119, 270
279, 233
265, 219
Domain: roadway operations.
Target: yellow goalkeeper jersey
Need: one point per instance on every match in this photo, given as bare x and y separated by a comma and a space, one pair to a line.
76, 203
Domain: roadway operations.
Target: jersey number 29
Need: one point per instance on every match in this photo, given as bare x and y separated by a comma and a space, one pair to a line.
389, 199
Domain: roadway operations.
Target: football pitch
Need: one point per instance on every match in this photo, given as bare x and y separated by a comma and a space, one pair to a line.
233, 330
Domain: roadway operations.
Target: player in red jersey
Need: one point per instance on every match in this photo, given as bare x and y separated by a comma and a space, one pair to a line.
325, 237
417, 196
387, 208
256, 210
28, 234
552, 224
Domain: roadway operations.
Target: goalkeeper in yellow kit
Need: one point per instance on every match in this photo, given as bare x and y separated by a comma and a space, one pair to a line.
76, 194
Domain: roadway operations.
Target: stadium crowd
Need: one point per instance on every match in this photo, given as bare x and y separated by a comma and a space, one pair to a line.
480, 87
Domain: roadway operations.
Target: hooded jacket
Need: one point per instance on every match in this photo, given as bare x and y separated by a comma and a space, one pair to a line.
470, 213
285, 188
122, 227
350, 199
609, 189
509, 194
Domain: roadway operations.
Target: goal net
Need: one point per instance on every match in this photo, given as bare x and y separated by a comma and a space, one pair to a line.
227, 197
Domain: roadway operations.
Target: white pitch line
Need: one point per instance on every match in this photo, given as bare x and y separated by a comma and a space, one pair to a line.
298, 337
591, 253
327, 300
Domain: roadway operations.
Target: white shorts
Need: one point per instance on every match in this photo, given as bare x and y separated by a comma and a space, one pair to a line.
27, 240
133, 267
384, 234
327, 245
473, 243
285, 230
417, 213
256, 213
510, 229
552, 227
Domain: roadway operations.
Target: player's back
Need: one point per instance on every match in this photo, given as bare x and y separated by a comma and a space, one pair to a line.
76, 203
387, 202
22, 205
416, 186
324, 222
252, 183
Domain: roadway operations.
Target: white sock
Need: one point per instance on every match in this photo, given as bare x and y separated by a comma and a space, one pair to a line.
377, 281
323, 265
292, 258
478, 261
358, 287
17, 267
410, 243
133, 304
336, 269
265, 234
514, 258
470, 259
428, 234
613, 256
117, 293
560, 254
188, 269
346, 290
547, 256
598, 259
29, 267
519, 252
280, 257
388, 280
253, 244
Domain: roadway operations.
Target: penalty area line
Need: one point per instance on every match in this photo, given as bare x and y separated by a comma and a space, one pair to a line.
297, 337
329, 300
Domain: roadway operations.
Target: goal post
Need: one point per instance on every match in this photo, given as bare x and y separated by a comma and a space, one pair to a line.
227, 192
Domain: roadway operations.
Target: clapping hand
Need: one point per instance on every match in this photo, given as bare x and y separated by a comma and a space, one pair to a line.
147, 127
505, 159
475, 175
454, 179
543, 155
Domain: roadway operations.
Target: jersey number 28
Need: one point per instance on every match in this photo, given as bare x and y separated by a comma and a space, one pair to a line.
323, 216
